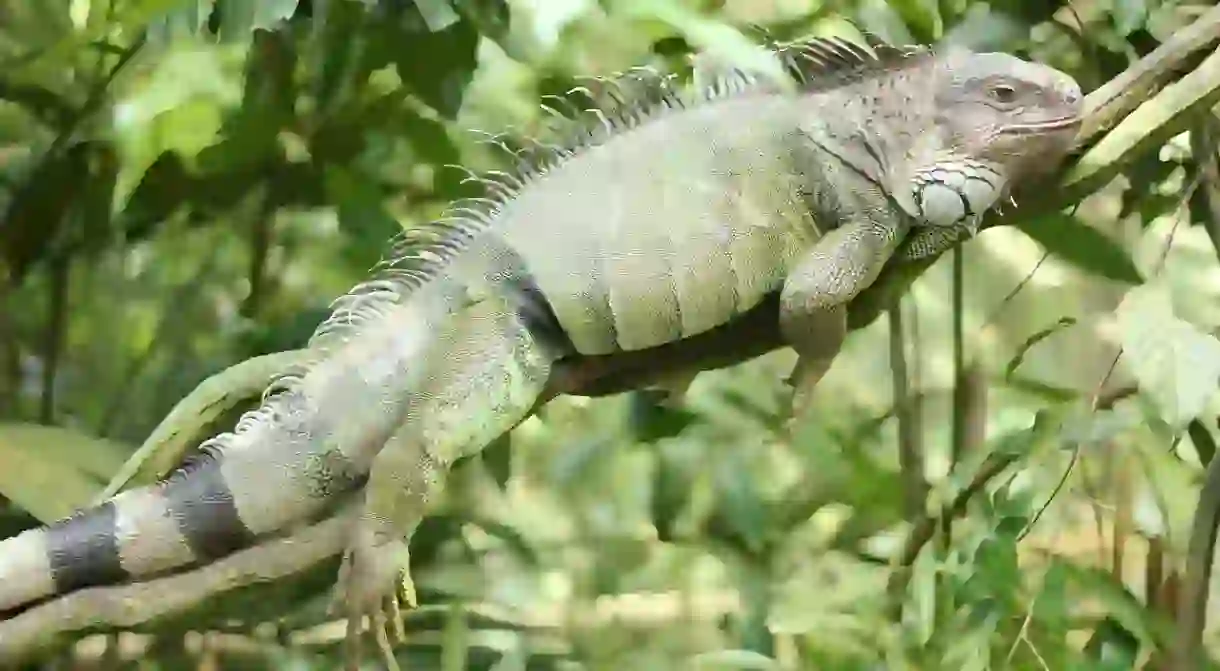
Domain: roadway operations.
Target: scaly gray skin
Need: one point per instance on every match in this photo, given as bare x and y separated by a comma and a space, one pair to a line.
672, 215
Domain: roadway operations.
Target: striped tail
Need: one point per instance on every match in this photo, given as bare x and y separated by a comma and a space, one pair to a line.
312, 438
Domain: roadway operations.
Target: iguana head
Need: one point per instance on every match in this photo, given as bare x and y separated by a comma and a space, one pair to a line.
995, 120
946, 133
1012, 114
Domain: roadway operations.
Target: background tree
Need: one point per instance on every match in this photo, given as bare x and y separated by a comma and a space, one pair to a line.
186, 185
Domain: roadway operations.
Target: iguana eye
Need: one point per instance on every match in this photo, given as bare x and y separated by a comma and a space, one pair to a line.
1003, 93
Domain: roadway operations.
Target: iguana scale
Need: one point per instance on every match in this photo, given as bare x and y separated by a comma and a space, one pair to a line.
665, 215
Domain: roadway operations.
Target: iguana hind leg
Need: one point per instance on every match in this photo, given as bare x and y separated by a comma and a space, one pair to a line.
813, 302
479, 380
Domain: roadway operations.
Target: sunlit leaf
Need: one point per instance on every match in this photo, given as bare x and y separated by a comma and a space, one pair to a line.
921, 18
715, 39
51, 472
1129, 15
1176, 364
178, 107
438, 15
240, 17
985, 29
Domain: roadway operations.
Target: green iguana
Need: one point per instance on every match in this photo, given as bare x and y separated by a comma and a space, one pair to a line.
664, 215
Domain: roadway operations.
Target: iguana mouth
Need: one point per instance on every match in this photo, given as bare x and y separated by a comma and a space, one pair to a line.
1062, 123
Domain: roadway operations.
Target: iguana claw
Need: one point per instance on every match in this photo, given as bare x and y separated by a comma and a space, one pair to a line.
805, 376
373, 577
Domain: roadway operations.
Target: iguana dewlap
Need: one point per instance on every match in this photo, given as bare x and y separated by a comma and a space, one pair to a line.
665, 214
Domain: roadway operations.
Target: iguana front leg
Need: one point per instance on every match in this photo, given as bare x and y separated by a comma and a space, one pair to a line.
813, 302
923, 216
480, 378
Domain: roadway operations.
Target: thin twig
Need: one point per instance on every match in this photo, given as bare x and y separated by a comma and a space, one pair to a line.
958, 445
1192, 602
910, 452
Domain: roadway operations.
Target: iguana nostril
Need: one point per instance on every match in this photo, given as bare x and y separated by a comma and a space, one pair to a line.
1071, 93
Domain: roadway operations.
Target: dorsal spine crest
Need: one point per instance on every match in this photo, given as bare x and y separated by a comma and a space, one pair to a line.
600, 108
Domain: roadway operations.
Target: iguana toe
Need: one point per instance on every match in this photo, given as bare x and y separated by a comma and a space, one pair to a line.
806, 375
373, 576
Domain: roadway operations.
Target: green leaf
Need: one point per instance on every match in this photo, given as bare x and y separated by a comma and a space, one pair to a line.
995, 573
741, 505
498, 459
438, 15
179, 108
921, 18
672, 484
1112, 647
130, 18
240, 17
1175, 364
1051, 606
1129, 15
1201, 438
880, 18
42, 103
340, 42
1146, 194
268, 13
1081, 245
651, 419
714, 39
1018, 444
435, 66
985, 29
362, 215
162, 189
491, 18
51, 472
1115, 601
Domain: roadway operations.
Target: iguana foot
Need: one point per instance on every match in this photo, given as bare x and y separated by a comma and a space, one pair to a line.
673, 387
373, 576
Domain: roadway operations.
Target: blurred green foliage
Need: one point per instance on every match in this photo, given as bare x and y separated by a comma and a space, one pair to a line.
188, 184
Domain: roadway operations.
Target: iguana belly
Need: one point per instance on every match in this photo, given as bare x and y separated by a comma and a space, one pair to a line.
659, 284
653, 255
